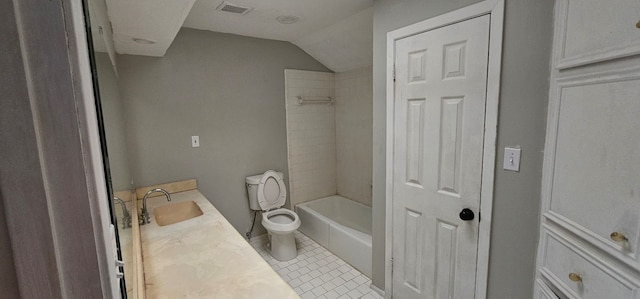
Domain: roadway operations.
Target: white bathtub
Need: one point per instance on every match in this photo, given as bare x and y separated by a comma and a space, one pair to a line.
341, 225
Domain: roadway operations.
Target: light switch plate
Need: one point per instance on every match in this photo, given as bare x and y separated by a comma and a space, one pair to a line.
511, 159
195, 141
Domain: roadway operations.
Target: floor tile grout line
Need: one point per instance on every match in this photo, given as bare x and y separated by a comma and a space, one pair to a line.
347, 283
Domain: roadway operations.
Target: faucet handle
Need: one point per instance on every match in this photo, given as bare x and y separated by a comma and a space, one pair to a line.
144, 218
126, 222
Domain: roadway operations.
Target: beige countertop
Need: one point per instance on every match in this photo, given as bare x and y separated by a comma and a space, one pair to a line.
204, 257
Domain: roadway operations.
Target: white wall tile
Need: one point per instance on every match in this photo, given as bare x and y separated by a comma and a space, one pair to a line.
330, 146
311, 136
354, 121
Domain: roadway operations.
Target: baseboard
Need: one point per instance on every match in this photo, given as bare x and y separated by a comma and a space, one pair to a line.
377, 290
258, 239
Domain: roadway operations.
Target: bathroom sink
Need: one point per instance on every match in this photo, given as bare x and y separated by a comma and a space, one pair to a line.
178, 212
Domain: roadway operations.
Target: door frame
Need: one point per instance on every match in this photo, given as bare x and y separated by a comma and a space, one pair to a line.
494, 8
55, 200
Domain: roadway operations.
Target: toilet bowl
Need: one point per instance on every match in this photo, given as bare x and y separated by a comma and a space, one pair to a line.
267, 193
280, 221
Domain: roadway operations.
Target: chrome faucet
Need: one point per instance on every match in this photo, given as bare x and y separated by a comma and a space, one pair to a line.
144, 215
126, 217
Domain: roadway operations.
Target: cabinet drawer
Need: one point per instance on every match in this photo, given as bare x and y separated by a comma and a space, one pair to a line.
542, 291
580, 274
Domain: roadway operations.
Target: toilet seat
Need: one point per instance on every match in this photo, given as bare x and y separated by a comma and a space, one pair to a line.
267, 192
272, 192
272, 195
280, 221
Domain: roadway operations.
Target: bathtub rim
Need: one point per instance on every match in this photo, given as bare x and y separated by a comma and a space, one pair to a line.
323, 230
305, 205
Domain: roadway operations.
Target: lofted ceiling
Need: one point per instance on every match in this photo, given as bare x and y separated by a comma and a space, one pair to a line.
261, 22
344, 45
338, 33
156, 21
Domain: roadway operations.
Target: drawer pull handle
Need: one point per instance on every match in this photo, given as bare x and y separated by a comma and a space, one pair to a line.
638, 25
618, 237
575, 277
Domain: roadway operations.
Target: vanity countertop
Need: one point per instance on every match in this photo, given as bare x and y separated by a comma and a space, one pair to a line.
204, 257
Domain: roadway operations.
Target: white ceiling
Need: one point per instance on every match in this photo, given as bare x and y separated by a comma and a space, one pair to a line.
261, 22
344, 45
155, 20
338, 33
100, 29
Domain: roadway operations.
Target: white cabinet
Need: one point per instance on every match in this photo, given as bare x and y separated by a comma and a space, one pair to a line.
595, 30
542, 291
590, 234
580, 273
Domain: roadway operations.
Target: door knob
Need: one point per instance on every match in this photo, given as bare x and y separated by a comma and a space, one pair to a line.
467, 214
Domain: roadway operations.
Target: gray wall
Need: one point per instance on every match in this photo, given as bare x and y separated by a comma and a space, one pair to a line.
13, 89
227, 89
522, 121
8, 280
114, 123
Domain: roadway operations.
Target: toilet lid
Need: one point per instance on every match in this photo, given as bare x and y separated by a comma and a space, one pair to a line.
271, 191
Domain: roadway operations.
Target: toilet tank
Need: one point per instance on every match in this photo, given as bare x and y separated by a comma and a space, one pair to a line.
252, 190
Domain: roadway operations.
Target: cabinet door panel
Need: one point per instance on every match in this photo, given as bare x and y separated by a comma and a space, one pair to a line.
596, 30
596, 187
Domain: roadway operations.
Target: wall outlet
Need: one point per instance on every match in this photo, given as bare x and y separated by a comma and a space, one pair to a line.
195, 141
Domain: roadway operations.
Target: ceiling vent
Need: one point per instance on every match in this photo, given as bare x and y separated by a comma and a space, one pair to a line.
237, 9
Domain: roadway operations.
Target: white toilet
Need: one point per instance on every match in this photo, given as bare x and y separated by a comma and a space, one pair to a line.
267, 193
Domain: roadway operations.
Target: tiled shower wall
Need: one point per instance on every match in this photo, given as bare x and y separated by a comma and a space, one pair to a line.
311, 136
354, 122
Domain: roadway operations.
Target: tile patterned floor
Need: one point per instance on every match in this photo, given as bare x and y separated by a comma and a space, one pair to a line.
318, 273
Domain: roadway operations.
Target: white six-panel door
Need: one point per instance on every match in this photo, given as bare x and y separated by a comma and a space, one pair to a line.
439, 120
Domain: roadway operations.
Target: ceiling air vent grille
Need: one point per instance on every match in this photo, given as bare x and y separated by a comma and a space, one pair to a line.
230, 7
